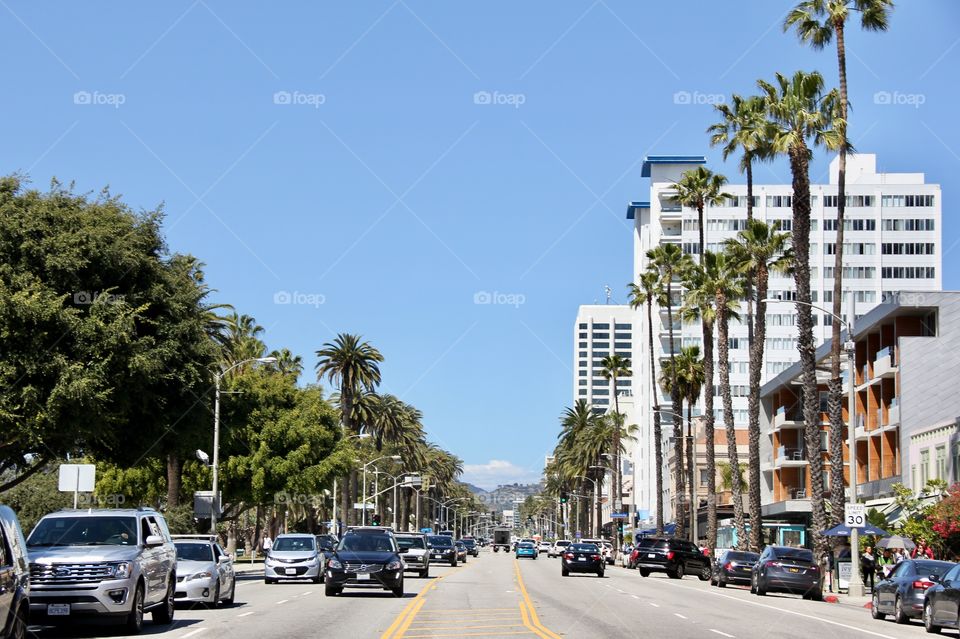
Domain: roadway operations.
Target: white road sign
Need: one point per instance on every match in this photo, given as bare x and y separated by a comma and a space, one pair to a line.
855, 515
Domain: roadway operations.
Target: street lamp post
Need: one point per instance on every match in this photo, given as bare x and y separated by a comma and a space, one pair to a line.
596, 490
216, 433
692, 442
855, 587
335, 497
363, 503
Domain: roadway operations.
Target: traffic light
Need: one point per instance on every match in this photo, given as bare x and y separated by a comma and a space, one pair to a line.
620, 526
564, 497
376, 519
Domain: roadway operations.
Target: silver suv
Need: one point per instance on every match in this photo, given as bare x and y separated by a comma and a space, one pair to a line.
103, 566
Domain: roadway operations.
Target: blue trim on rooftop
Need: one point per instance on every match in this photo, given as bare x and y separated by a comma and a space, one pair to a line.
632, 209
669, 159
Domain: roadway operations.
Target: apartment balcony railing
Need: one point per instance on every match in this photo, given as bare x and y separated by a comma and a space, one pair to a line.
789, 456
883, 365
787, 418
671, 231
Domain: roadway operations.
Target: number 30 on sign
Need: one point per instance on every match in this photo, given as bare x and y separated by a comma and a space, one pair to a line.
855, 515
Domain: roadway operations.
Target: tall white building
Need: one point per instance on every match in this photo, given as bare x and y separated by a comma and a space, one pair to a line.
892, 243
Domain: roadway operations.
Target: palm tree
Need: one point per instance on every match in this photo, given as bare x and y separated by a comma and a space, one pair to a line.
670, 261
816, 23
727, 286
287, 363
697, 189
614, 367
699, 306
758, 250
690, 372
354, 365
645, 293
799, 111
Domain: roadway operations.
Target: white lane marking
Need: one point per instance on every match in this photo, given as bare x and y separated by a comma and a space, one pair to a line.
193, 632
245, 614
653, 604
677, 614
635, 597
282, 601
781, 610
723, 634
304, 594
623, 591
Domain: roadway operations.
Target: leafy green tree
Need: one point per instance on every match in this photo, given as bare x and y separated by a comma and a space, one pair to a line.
36, 496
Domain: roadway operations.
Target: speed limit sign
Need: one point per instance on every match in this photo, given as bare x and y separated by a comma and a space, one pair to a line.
855, 515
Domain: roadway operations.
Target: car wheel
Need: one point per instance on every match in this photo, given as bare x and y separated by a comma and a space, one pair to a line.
704, 574
721, 583
928, 624
134, 622
233, 592
164, 612
753, 585
875, 608
534, 556
761, 591
898, 614
425, 574
332, 591
816, 595
398, 591
677, 572
564, 572
216, 597
644, 572
18, 629
600, 574
453, 562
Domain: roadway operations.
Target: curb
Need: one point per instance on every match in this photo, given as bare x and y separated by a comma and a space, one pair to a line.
834, 599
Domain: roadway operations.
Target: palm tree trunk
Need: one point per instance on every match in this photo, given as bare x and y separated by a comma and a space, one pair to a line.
691, 486
599, 515
751, 276
709, 444
617, 488
753, 411
677, 418
174, 474
800, 167
835, 398
736, 487
657, 430
703, 235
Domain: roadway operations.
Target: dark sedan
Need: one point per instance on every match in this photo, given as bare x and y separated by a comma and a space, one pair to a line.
472, 547
442, 549
733, 567
786, 569
365, 558
941, 607
902, 593
582, 558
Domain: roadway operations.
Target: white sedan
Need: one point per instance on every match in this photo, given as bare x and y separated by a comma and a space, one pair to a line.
544, 546
204, 571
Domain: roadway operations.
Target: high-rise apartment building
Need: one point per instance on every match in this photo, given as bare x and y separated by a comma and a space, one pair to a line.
892, 243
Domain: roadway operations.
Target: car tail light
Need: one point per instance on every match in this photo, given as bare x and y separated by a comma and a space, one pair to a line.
728, 565
922, 584
669, 555
568, 555
773, 564
594, 556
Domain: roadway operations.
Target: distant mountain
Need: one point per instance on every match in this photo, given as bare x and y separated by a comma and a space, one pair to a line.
476, 490
506, 496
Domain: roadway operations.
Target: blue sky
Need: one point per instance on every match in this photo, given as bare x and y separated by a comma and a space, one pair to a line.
379, 167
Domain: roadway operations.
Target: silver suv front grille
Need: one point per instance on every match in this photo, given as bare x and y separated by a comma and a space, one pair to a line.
68, 574
358, 567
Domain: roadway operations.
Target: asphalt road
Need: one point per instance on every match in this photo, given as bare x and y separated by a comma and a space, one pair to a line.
497, 596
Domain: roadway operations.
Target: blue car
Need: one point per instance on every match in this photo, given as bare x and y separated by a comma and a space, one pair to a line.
526, 549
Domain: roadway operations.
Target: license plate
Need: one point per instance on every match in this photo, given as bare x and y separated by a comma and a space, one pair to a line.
793, 569
651, 556
363, 576
582, 559
58, 610
290, 571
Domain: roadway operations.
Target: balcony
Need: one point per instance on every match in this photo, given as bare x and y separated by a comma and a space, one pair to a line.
787, 419
883, 366
789, 457
860, 430
766, 463
893, 415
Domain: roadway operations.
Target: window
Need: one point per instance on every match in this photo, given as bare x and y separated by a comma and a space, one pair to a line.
581, 345
908, 248
691, 248
623, 382
621, 344
601, 391
582, 354
623, 327
726, 224
601, 335
911, 224
831, 201
621, 336
601, 345
583, 392
865, 297
824, 399
781, 319
582, 364
898, 201
956, 461
690, 341
736, 390
853, 272
941, 452
733, 342
924, 468
703, 477
739, 201
775, 368
909, 272
780, 201
783, 225
582, 326
582, 382
583, 336
781, 343
582, 373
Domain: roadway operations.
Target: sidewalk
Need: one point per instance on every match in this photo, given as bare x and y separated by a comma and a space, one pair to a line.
844, 599
245, 567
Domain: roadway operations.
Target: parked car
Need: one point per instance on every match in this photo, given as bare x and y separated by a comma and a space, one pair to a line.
414, 552
902, 594
461, 551
365, 558
526, 549
102, 565
675, 557
14, 577
558, 547
293, 556
472, 547
544, 547
204, 571
582, 558
442, 549
941, 602
786, 569
733, 567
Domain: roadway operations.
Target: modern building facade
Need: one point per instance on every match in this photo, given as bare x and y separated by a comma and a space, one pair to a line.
892, 243
906, 411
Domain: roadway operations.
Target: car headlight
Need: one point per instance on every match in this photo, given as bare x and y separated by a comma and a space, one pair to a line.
206, 574
122, 569
394, 565
335, 564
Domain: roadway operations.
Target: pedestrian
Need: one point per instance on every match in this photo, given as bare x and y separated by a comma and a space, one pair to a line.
922, 550
869, 566
826, 569
901, 555
885, 563
266, 544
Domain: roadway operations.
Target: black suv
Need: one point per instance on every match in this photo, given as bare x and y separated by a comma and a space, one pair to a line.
675, 557
442, 549
365, 558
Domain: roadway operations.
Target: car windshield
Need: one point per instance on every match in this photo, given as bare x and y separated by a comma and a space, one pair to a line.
85, 531
293, 544
194, 552
410, 542
583, 548
440, 541
524, 544
651, 543
367, 543
933, 568
563, 543
742, 556
469, 543
795, 554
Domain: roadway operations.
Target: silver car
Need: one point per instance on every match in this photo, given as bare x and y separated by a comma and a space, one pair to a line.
293, 556
204, 571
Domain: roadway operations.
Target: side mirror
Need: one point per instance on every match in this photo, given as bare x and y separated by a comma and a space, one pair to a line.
224, 559
153, 540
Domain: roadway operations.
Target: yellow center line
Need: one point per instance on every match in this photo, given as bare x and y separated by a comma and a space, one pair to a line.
534, 624
402, 623
461, 627
472, 634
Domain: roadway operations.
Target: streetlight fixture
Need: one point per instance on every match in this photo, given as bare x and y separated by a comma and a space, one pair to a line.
855, 586
363, 515
216, 432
